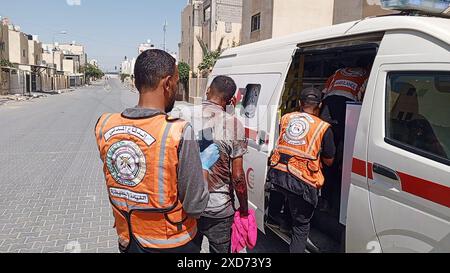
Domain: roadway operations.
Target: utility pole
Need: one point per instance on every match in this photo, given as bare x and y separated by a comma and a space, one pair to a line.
53, 51
165, 33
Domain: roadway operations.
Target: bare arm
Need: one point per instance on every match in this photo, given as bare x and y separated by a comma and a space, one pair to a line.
328, 148
240, 184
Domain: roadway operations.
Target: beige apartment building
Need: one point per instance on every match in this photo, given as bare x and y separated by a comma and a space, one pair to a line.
190, 51
266, 19
211, 21
34, 51
52, 58
76, 50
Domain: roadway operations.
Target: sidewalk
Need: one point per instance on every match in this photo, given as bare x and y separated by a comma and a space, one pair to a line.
17, 98
55, 92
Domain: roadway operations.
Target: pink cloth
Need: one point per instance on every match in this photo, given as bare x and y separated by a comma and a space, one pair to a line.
244, 232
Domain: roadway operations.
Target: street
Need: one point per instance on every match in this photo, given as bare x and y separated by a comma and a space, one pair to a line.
53, 196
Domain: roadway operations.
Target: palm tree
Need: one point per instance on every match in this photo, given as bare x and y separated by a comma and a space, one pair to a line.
210, 57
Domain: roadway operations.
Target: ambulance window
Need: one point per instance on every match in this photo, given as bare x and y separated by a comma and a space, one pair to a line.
250, 101
418, 116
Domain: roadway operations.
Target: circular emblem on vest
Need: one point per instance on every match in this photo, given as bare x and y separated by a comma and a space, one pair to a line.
296, 131
126, 163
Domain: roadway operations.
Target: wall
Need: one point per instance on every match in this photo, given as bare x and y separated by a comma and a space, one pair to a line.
69, 66
290, 16
222, 12
197, 88
48, 58
14, 47
228, 23
284, 17
190, 50
347, 11
23, 48
76, 50
34, 52
251, 8
17, 82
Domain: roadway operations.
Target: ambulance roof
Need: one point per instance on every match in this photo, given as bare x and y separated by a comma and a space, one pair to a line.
434, 26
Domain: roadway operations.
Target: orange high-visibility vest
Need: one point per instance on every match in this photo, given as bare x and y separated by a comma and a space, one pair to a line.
348, 80
140, 159
299, 146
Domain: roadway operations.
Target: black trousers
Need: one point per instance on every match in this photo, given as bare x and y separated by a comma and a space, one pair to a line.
334, 112
302, 202
218, 232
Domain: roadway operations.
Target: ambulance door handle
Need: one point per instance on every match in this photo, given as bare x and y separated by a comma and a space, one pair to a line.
262, 138
385, 171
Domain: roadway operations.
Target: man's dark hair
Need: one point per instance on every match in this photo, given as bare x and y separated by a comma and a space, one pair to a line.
152, 66
223, 87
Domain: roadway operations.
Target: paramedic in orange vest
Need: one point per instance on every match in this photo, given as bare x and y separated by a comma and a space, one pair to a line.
346, 85
305, 143
152, 166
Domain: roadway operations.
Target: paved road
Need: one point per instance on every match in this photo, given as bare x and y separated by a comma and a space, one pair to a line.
52, 196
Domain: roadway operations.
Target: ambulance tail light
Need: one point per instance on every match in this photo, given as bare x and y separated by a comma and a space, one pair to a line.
432, 7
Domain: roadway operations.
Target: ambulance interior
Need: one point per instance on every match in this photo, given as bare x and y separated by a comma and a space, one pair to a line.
311, 67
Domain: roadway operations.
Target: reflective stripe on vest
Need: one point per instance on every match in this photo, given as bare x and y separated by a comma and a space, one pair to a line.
314, 138
103, 125
167, 242
162, 154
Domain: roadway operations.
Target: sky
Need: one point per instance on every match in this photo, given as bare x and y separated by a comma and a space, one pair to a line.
109, 29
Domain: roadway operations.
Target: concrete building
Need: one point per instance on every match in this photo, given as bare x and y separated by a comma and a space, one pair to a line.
16, 46
73, 58
74, 49
52, 57
35, 62
34, 51
15, 50
37, 66
190, 51
266, 19
145, 46
222, 19
211, 21
93, 62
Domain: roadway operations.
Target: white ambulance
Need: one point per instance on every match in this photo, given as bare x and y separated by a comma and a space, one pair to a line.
397, 197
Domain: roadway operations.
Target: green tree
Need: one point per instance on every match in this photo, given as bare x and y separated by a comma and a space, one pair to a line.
6, 63
91, 72
184, 69
210, 57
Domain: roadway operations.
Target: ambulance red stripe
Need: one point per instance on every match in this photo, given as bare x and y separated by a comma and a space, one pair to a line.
251, 134
428, 190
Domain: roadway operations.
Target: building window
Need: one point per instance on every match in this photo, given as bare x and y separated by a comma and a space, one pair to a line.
250, 101
256, 22
228, 27
23, 53
417, 113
